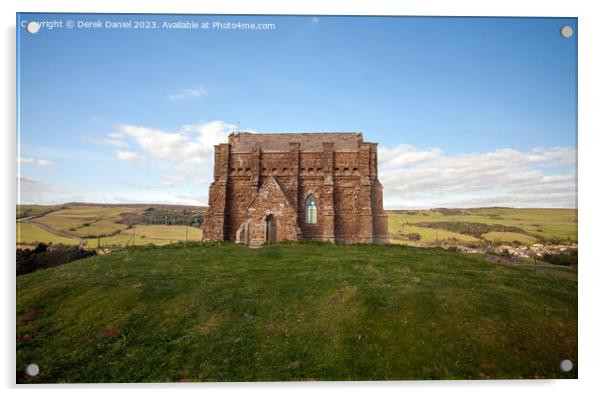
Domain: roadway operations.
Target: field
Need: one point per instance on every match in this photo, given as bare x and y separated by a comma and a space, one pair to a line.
464, 226
150, 234
509, 225
86, 221
222, 312
29, 234
93, 223
29, 210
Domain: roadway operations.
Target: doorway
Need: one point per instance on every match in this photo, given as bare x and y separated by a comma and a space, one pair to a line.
270, 229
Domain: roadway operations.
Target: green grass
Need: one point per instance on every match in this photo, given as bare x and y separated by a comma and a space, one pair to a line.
29, 235
223, 312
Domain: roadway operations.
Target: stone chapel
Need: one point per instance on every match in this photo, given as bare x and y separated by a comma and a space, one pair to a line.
289, 186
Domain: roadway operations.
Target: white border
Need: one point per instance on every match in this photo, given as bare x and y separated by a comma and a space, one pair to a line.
590, 103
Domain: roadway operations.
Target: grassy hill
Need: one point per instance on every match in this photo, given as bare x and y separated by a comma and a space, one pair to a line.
222, 312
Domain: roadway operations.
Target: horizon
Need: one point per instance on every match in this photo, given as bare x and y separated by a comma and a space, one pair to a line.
201, 205
468, 112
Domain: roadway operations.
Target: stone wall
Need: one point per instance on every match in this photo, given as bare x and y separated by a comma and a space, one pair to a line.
261, 178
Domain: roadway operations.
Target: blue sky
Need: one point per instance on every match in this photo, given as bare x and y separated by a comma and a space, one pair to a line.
466, 111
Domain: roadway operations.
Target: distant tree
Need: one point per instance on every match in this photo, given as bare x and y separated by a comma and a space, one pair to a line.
161, 216
414, 236
44, 256
563, 258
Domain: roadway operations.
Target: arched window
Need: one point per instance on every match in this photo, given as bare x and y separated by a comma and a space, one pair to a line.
311, 210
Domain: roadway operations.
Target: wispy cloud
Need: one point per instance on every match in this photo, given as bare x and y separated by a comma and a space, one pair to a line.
188, 151
131, 157
31, 160
173, 180
110, 141
44, 163
188, 94
422, 178
33, 191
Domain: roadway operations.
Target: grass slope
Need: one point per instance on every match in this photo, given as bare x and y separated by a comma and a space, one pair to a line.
292, 312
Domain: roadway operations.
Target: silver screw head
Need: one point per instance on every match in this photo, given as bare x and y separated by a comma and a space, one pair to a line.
33, 27
32, 369
566, 365
566, 31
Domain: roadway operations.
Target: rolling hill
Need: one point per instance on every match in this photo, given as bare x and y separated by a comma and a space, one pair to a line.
309, 311
117, 225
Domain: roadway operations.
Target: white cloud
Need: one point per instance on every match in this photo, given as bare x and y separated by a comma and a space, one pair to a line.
188, 94
118, 143
419, 178
31, 160
32, 191
190, 147
407, 154
173, 180
44, 163
131, 157
184, 156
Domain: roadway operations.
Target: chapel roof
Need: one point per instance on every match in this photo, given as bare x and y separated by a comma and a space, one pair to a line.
308, 141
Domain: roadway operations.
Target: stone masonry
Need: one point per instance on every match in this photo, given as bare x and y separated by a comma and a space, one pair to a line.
288, 187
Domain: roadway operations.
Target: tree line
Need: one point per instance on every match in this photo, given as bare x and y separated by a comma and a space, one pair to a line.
160, 216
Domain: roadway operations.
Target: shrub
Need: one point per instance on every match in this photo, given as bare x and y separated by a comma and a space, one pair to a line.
44, 256
474, 229
414, 236
505, 253
563, 258
163, 216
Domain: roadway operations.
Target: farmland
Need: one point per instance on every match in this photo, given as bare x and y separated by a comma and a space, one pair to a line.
109, 225
501, 225
120, 225
149, 234
29, 234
